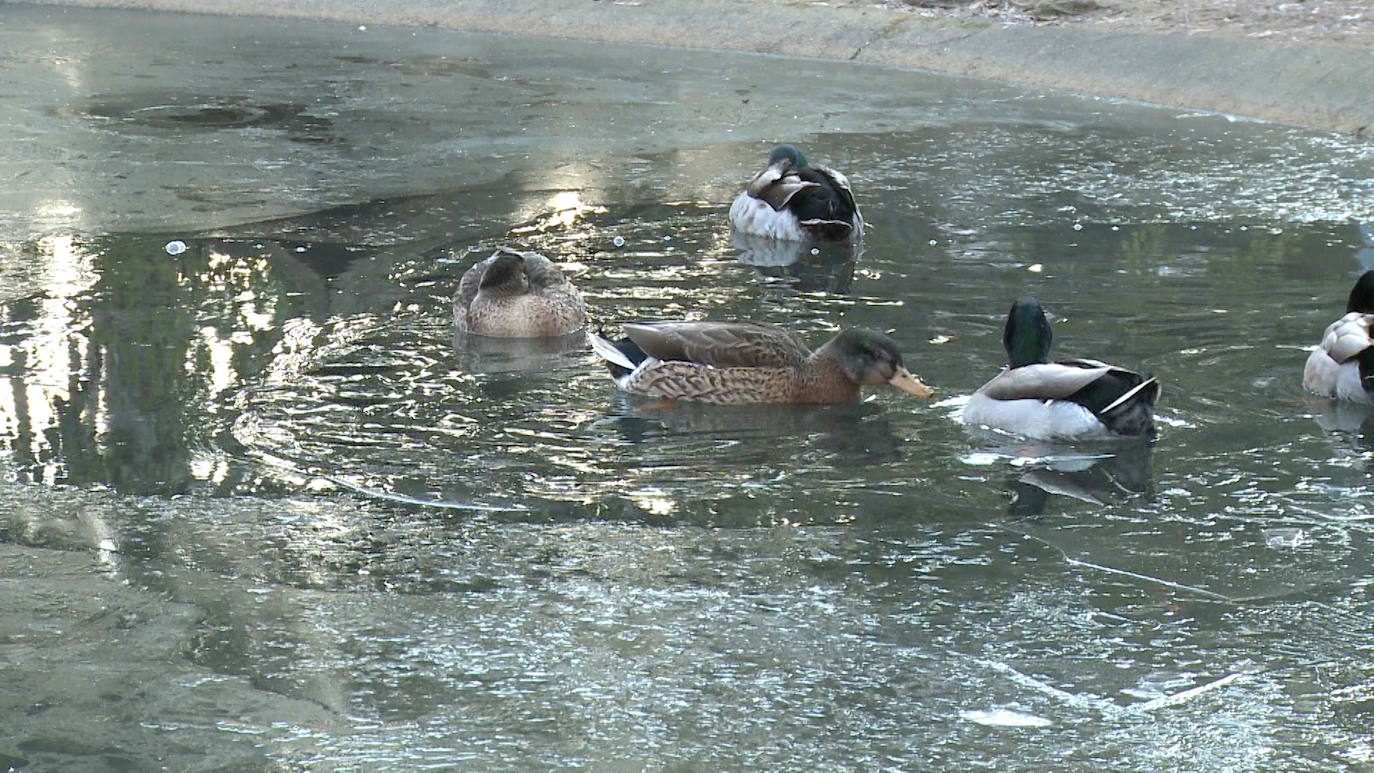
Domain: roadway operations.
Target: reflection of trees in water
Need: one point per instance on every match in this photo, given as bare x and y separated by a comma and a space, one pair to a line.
151, 346
155, 344
142, 323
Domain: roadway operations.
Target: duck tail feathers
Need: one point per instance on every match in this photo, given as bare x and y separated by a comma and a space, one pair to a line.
610, 352
829, 230
1149, 386
623, 358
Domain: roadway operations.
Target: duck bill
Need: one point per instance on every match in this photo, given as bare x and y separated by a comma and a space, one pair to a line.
908, 383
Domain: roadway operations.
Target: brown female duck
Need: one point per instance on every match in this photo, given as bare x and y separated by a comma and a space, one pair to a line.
515, 294
749, 362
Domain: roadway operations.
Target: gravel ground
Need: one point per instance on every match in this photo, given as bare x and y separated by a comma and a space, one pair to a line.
1328, 21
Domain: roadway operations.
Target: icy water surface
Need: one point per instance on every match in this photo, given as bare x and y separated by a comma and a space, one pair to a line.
260, 510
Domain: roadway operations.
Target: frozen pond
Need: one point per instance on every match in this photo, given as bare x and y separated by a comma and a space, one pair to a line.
258, 511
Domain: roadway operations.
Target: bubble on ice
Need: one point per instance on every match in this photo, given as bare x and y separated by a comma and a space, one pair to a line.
175, 247
618, 240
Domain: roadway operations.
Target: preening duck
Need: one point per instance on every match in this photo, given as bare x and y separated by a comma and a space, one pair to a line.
1064, 400
1342, 365
515, 294
750, 362
791, 200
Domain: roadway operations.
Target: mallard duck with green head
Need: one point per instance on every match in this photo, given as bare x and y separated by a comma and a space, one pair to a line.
515, 294
1063, 400
751, 362
1342, 365
794, 201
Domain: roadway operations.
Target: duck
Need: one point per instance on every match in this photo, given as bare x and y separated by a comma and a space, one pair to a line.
793, 201
1342, 365
1065, 400
514, 294
751, 362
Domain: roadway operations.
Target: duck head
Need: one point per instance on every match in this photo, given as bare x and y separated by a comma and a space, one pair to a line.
1027, 335
505, 275
871, 358
786, 154
1362, 295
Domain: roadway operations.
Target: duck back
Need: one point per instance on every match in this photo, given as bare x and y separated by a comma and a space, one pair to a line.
1122, 400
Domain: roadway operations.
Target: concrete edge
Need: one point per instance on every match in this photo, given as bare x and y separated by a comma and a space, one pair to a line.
1311, 84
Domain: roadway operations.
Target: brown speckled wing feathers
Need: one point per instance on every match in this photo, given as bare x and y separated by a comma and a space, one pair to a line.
720, 344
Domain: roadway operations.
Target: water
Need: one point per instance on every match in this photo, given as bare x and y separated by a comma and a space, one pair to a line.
259, 507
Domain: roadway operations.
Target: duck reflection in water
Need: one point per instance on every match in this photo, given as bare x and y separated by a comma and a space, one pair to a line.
813, 267
489, 354
1099, 476
858, 430
1343, 417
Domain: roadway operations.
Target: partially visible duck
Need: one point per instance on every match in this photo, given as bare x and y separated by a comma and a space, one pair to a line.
749, 362
1342, 365
791, 200
1064, 400
515, 294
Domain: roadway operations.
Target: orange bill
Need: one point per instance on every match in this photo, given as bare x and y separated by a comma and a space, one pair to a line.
906, 382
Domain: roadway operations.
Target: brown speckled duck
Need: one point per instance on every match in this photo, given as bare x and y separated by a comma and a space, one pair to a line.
515, 294
750, 362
